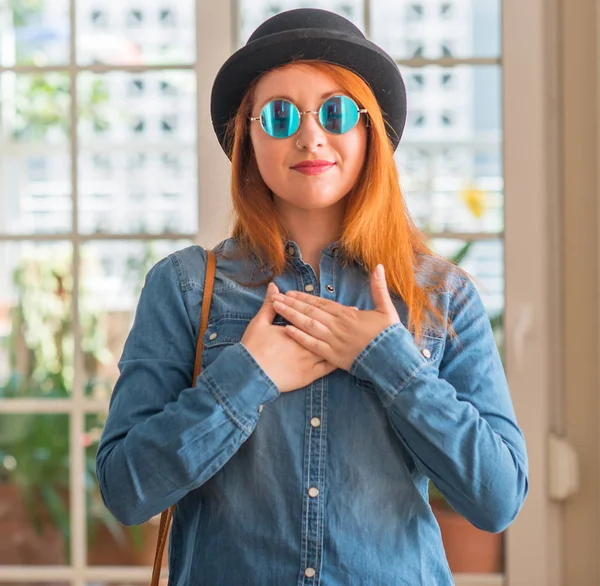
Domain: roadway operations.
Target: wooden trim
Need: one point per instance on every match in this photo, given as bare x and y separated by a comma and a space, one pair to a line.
214, 39
579, 226
531, 550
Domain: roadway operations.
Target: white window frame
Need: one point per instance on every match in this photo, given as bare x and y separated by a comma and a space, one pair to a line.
530, 155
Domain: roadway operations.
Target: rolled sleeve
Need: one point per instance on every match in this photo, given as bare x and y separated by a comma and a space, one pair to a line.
457, 420
240, 385
165, 434
392, 351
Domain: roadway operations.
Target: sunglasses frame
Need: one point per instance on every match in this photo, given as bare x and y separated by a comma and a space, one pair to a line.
316, 112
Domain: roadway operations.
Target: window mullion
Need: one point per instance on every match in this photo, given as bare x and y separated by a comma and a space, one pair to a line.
449, 61
77, 504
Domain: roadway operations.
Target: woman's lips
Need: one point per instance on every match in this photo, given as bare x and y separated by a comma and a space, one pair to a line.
314, 169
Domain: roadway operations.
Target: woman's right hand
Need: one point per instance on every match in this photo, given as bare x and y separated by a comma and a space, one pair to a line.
288, 364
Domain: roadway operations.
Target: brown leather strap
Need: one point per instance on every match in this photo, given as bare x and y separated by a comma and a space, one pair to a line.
167, 516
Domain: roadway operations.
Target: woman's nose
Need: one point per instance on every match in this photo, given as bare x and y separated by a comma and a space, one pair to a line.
311, 134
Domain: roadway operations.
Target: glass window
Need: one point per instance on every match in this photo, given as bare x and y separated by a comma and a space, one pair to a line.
134, 135
444, 29
415, 12
36, 305
252, 12
35, 168
450, 159
34, 489
136, 33
136, 139
99, 18
34, 32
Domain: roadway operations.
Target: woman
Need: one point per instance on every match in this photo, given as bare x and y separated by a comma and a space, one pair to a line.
302, 454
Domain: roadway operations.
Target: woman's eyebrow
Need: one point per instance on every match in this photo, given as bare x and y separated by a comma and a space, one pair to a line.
284, 97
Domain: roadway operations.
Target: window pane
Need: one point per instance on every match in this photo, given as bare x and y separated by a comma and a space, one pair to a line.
484, 260
112, 275
253, 13
142, 33
34, 32
36, 339
109, 542
433, 29
137, 166
35, 170
34, 485
450, 156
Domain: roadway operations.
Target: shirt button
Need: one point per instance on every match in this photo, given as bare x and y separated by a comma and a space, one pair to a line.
310, 572
291, 250
213, 336
315, 422
426, 353
309, 288
334, 250
261, 407
330, 288
313, 492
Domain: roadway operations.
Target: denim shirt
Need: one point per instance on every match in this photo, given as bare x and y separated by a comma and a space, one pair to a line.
326, 485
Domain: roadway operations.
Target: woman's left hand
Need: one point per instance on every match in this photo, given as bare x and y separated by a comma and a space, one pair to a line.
334, 331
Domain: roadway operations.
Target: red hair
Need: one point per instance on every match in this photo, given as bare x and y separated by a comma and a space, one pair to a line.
395, 242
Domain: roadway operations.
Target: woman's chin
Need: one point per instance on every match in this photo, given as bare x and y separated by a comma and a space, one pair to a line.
314, 201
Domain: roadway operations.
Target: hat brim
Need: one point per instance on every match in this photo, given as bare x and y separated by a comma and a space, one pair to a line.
361, 56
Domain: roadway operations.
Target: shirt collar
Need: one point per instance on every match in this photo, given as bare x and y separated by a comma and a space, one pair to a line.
292, 250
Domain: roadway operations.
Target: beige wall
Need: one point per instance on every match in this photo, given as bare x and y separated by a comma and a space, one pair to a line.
579, 233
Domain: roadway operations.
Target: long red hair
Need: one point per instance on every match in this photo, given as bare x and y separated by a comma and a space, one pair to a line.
377, 226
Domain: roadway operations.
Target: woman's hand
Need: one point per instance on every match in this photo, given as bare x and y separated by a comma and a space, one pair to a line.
288, 364
333, 331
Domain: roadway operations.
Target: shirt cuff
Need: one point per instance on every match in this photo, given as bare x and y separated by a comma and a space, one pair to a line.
389, 362
240, 385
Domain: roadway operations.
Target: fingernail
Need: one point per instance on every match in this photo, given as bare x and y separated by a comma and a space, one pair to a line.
379, 272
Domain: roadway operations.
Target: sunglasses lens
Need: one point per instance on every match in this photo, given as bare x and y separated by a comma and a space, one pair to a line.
280, 118
339, 114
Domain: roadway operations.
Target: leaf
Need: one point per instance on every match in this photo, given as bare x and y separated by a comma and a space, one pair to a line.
462, 253
497, 320
137, 536
116, 529
58, 510
27, 492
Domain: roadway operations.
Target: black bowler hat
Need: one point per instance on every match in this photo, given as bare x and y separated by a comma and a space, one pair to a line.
309, 33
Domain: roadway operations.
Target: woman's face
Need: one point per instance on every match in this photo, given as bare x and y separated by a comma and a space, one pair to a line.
276, 157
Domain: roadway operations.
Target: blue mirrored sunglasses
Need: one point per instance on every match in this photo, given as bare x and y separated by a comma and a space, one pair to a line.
280, 118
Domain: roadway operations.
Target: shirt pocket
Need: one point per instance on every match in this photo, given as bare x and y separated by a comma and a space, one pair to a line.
226, 331
221, 333
431, 348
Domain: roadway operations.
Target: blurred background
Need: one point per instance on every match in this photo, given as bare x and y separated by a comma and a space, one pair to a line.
108, 162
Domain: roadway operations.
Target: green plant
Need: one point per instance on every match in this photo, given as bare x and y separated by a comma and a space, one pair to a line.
34, 448
436, 495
